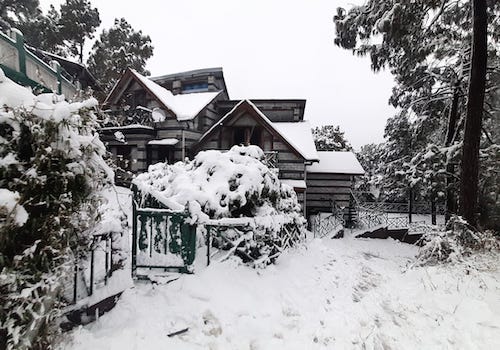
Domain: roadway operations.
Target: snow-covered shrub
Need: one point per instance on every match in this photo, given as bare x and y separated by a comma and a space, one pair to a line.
51, 163
457, 240
234, 184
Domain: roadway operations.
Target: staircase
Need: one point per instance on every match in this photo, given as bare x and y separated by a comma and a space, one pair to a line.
351, 213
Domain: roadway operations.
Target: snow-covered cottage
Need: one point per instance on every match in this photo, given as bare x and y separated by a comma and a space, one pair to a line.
175, 116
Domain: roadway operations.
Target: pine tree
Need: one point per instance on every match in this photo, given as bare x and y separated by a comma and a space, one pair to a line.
13, 12
118, 48
330, 138
44, 32
78, 22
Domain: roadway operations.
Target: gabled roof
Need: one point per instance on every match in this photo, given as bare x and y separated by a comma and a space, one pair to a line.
337, 162
299, 134
183, 107
297, 141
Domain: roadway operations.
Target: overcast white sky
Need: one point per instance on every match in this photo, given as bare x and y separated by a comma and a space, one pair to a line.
268, 49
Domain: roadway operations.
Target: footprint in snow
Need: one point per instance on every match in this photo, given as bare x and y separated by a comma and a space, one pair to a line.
367, 281
211, 324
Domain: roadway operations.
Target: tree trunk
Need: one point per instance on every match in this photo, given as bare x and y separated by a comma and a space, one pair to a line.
433, 212
453, 116
451, 205
473, 120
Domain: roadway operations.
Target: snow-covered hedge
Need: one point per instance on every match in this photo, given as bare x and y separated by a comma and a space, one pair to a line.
51, 164
457, 240
234, 184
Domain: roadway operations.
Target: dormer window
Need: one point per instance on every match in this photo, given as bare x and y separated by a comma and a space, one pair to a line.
194, 87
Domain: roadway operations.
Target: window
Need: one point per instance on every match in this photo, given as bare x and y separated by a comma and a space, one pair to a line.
247, 136
194, 87
123, 157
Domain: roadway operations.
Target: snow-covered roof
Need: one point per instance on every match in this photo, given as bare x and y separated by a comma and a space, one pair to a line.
124, 127
184, 106
337, 162
164, 142
294, 183
299, 135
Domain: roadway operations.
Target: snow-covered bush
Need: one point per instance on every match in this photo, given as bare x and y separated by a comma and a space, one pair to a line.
51, 163
457, 240
234, 184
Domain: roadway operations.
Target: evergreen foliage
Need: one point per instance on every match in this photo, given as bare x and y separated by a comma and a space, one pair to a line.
78, 21
43, 32
13, 12
117, 49
51, 164
431, 82
60, 32
330, 138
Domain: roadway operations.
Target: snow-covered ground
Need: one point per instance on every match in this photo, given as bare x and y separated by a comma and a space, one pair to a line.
328, 294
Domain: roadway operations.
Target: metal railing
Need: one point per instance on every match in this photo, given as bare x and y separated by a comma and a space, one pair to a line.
89, 275
329, 225
122, 117
271, 159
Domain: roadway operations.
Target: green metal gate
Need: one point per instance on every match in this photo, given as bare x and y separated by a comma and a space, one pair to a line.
161, 240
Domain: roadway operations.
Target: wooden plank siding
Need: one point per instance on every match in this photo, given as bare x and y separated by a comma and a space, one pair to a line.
323, 190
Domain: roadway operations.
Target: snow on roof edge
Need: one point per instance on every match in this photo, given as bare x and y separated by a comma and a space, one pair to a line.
173, 102
339, 162
279, 132
267, 120
219, 122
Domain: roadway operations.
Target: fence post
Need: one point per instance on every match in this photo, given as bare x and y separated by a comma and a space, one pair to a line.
20, 50
57, 68
91, 272
410, 205
106, 262
208, 243
75, 280
134, 237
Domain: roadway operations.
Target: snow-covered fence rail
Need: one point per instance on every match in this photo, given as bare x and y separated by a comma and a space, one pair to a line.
243, 237
368, 218
387, 207
329, 225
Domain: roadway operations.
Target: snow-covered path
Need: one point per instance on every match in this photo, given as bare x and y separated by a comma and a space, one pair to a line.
330, 294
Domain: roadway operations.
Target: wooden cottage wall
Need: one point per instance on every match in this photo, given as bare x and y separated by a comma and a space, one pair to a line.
137, 142
209, 115
291, 165
323, 188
